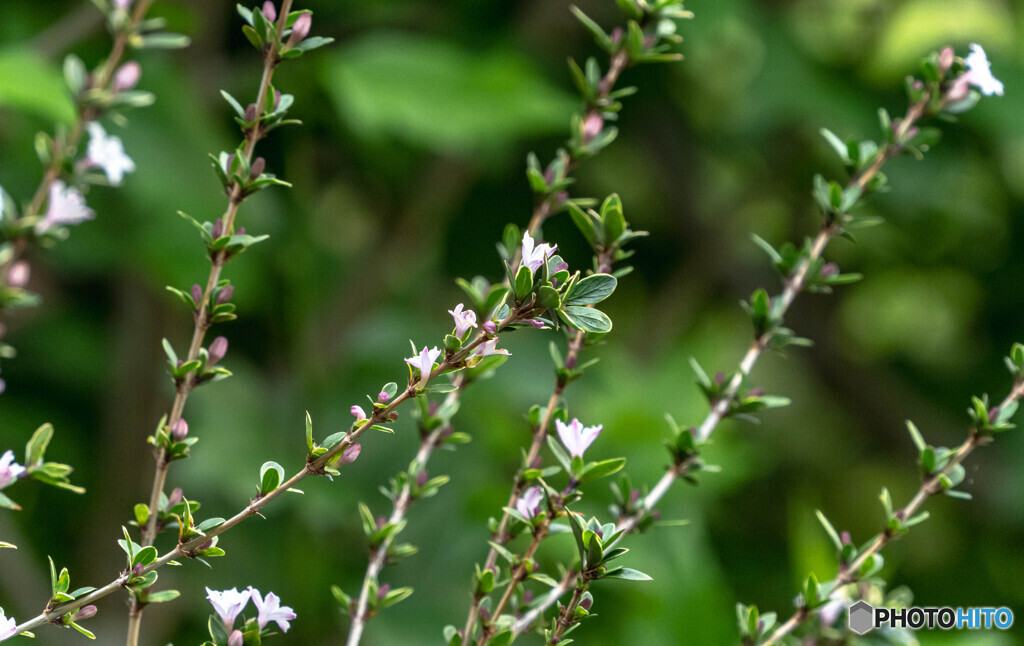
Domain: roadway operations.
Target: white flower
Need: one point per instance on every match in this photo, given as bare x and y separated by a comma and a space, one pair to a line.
488, 348
534, 256
576, 437
64, 206
980, 72
9, 470
228, 603
8, 626
107, 153
424, 362
529, 502
463, 319
270, 609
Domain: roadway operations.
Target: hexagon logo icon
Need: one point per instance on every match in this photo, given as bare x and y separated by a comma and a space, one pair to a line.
862, 617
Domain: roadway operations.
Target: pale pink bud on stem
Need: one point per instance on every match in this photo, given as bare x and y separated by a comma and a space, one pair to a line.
383, 591
277, 99
179, 431
218, 224
176, 496
17, 275
236, 638
383, 397
829, 270
358, 413
197, 295
592, 126
250, 112
225, 294
84, 613
349, 455
946, 57
269, 11
257, 168
127, 76
490, 327
300, 29
240, 231
421, 478
217, 350
845, 538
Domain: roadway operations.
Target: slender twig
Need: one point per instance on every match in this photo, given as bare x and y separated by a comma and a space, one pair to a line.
202, 323
540, 607
566, 616
400, 507
519, 575
850, 573
794, 285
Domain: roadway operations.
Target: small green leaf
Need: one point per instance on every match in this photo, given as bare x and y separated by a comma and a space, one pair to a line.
590, 290
271, 475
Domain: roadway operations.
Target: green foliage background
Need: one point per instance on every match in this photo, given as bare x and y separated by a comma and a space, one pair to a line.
417, 122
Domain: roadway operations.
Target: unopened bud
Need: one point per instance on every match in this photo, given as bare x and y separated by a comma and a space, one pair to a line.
197, 294
383, 591
381, 522
634, 497
490, 327
127, 76
946, 57
240, 231
225, 294
586, 603
236, 638
570, 362
719, 378
277, 99
138, 569
349, 455
17, 275
527, 597
535, 323
421, 478
993, 414
300, 29
756, 392
617, 35
393, 415
269, 11
845, 539
250, 112
84, 613
485, 615
537, 462
383, 397
592, 126
257, 168
179, 431
218, 224
175, 497
829, 270
217, 350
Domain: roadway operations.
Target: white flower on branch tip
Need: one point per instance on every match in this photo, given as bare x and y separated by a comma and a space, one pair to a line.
107, 153
270, 609
9, 469
535, 255
979, 71
489, 347
8, 626
228, 603
464, 319
424, 361
577, 437
529, 503
64, 206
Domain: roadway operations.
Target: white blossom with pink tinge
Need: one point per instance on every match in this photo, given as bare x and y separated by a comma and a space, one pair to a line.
228, 603
535, 255
424, 361
577, 437
8, 626
65, 206
464, 319
107, 153
529, 503
270, 609
9, 469
487, 348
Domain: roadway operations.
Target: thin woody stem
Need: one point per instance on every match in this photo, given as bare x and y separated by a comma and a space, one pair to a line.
551, 598
850, 573
400, 507
794, 285
518, 576
566, 615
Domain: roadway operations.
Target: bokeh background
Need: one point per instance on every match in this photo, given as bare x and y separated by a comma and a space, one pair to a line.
410, 162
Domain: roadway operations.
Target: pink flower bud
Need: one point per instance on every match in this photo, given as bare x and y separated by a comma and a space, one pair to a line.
946, 57
300, 29
269, 11
586, 603
421, 478
179, 431
277, 98
218, 224
17, 275
225, 294
845, 539
490, 327
138, 569
383, 397
383, 591
257, 168
349, 455
217, 350
358, 412
127, 76
829, 270
85, 613
240, 231
197, 294
592, 126
236, 638
175, 497
250, 112
535, 323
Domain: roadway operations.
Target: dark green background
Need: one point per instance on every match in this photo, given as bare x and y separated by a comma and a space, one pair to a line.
410, 162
